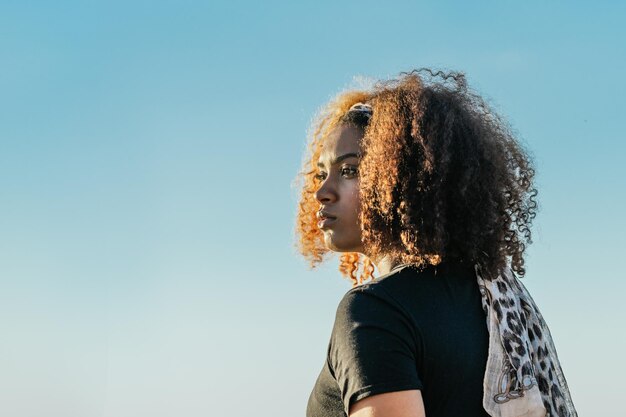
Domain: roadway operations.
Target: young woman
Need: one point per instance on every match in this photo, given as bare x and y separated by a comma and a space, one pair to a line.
419, 178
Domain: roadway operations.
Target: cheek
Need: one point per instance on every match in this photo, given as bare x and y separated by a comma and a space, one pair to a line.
355, 200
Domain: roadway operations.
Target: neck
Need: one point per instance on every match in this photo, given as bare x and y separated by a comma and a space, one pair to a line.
385, 264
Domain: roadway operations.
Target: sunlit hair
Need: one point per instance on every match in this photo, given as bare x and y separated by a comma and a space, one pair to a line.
441, 178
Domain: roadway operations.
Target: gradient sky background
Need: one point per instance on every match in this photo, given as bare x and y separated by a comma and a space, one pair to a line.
147, 152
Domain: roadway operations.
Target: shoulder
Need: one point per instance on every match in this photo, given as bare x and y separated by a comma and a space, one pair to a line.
367, 300
383, 289
386, 294
372, 329
369, 315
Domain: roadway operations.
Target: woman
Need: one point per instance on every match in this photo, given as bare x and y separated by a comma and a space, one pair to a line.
419, 178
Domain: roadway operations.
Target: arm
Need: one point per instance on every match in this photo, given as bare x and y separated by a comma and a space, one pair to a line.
373, 357
392, 404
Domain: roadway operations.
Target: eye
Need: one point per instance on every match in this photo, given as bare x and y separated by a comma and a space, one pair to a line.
345, 171
351, 171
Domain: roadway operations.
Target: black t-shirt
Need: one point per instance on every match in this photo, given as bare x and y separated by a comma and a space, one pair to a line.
408, 329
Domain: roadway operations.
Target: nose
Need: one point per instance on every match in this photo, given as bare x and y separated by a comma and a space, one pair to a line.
325, 193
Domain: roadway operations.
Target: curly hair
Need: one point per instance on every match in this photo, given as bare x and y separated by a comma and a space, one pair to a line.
441, 177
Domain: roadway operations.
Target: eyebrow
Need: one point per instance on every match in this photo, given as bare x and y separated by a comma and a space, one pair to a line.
340, 158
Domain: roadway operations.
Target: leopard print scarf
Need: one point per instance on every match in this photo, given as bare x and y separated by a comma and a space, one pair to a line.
523, 375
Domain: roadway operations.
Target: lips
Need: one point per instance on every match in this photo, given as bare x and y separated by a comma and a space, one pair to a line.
325, 222
322, 214
325, 219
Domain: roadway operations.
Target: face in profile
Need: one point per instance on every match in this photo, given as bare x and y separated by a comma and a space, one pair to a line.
338, 192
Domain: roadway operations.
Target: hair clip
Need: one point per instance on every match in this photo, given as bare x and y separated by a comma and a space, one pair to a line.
362, 107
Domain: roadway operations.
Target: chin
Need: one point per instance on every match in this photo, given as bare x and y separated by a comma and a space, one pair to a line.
338, 245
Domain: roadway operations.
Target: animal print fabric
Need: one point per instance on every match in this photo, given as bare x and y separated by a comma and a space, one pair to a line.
523, 375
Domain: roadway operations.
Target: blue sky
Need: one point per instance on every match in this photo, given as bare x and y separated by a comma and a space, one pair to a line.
147, 151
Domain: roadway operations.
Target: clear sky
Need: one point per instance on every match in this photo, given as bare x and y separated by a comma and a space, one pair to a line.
147, 151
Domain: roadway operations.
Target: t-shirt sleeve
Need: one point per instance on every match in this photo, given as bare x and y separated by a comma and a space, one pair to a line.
373, 347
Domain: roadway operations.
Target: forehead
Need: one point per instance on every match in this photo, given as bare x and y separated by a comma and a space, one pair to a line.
342, 140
